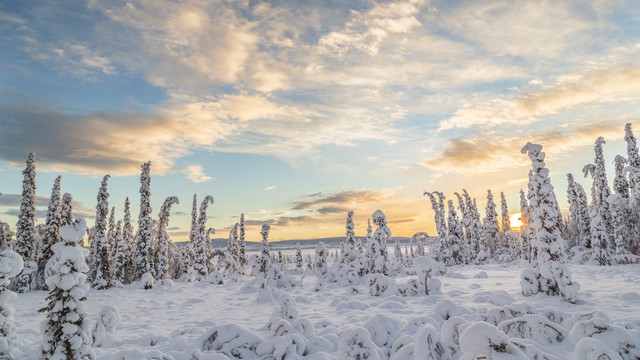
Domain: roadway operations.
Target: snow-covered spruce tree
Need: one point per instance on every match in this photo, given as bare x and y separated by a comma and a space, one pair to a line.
579, 213
67, 329
490, 223
51, 235
441, 225
66, 210
232, 243
25, 228
550, 276
120, 257
128, 238
299, 261
348, 246
143, 249
264, 260
381, 237
504, 208
526, 232
633, 169
620, 217
242, 253
603, 192
620, 182
478, 250
464, 217
193, 232
10, 265
162, 255
5, 236
321, 259
455, 241
111, 232
397, 253
100, 273
201, 256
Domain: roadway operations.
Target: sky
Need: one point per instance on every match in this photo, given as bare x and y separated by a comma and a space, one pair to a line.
295, 112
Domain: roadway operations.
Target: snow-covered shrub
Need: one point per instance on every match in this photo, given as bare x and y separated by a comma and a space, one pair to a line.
383, 329
305, 327
215, 278
497, 315
429, 346
483, 339
232, 340
615, 337
67, 329
534, 327
425, 268
285, 347
378, 284
450, 333
105, 326
403, 348
10, 265
445, 309
356, 344
415, 323
147, 281
593, 349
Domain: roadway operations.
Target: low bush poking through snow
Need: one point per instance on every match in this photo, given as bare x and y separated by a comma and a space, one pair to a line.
232, 340
425, 268
534, 327
615, 337
105, 326
482, 340
378, 284
356, 344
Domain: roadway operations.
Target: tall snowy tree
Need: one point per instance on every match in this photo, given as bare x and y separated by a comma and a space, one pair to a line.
550, 276
299, 261
478, 250
162, 260
51, 235
455, 238
111, 232
67, 333
101, 258
620, 182
526, 233
579, 212
66, 210
379, 259
348, 249
232, 243
144, 235
603, 191
490, 222
264, 260
506, 220
127, 237
120, 257
241, 242
440, 219
201, 256
193, 232
26, 236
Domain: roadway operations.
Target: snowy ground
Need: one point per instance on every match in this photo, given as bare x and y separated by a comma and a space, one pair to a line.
172, 320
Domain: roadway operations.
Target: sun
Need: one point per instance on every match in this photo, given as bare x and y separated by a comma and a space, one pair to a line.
515, 221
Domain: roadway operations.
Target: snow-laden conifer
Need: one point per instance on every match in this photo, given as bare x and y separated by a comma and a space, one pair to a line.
264, 260
111, 232
348, 247
620, 182
10, 265
602, 194
321, 259
490, 222
478, 249
6, 236
526, 232
621, 229
379, 259
241, 242
440, 220
26, 236
455, 241
51, 235
232, 243
201, 256
25, 228
143, 239
464, 219
128, 238
579, 213
66, 210
550, 276
101, 259
299, 260
67, 329
504, 214
120, 257
162, 255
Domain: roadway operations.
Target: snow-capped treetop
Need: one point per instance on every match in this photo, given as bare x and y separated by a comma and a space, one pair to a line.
265, 232
66, 209
620, 183
165, 212
73, 233
441, 225
202, 218
506, 221
349, 233
490, 222
194, 219
25, 228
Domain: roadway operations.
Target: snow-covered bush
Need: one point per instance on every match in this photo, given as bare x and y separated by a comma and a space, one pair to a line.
378, 284
232, 340
67, 329
534, 327
425, 268
356, 344
429, 346
615, 337
105, 326
483, 339
10, 265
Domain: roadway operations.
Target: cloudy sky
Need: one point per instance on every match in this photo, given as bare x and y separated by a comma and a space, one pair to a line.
295, 112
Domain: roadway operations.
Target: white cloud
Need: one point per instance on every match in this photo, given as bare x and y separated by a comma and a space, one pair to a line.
195, 173
269, 188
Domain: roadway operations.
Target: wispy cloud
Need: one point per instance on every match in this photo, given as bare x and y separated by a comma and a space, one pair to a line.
270, 188
196, 173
